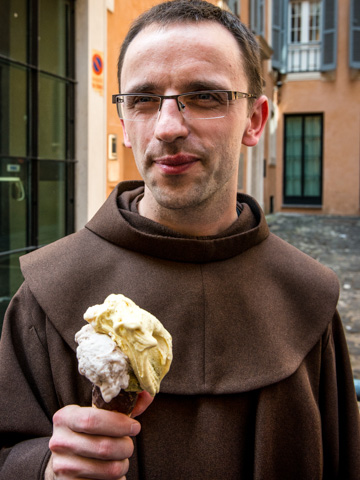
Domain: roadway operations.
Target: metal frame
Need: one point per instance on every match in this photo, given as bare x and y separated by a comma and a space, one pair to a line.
231, 95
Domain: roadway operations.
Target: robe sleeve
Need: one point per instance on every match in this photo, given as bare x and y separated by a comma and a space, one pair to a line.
27, 398
339, 408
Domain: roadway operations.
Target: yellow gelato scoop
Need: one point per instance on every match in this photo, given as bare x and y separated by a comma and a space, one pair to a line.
139, 335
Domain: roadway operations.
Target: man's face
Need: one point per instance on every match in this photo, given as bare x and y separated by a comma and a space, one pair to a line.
185, 163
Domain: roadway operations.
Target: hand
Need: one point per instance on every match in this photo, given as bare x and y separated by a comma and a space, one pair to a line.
142, 403
89, 443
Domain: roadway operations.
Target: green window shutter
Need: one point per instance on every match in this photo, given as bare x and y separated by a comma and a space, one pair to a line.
234, 6
254, 16
261, 17
329, 35
257, 15
279, 16
354, 37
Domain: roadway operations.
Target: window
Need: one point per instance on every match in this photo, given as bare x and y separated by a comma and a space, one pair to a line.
303, 159
304, 49
354, 40
234, 6
257, 16
36, 130
304, 35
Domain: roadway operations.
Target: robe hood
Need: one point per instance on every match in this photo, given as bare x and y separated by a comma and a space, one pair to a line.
244, 308
137, 233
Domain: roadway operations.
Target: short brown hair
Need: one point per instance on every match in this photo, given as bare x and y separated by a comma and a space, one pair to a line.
196, 11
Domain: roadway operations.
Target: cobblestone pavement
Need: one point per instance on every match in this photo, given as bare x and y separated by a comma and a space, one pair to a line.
335, 242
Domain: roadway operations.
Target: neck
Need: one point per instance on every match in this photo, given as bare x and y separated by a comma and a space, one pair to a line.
201, 221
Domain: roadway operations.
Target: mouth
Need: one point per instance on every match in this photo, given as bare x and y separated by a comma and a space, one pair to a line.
176, 164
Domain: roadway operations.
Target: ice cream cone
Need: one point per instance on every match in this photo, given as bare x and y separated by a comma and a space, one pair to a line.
124, 402
123, 350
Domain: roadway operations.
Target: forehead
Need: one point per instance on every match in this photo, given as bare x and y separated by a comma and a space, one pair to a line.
173, 56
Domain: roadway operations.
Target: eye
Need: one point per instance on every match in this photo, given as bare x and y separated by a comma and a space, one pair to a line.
206, 99
142, 102
143, 99
204, 96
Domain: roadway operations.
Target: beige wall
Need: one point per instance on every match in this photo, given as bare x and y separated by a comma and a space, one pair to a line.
90, 112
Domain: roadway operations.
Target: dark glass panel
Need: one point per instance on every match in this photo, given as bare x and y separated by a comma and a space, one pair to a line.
312, 157
13, 15
13, 110
52, 118
11, 279
53, 23
13, 204
51, 201
13, 226
293, 156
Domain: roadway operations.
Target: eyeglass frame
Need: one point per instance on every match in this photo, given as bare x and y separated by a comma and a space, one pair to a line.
232, 95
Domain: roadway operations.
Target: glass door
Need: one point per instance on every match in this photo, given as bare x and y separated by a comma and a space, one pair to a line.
303, 159
36, 131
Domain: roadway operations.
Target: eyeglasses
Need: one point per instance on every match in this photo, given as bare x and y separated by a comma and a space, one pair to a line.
203, 105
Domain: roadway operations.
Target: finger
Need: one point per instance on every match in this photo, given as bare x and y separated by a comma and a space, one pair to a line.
92, 446
65, 467
143, 401
95, 421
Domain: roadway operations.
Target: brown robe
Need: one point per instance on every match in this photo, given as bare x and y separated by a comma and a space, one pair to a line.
260, 386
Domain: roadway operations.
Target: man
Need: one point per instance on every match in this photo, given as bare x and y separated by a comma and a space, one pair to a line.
261, 385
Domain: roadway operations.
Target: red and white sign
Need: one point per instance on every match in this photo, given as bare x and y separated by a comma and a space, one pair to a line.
97, 69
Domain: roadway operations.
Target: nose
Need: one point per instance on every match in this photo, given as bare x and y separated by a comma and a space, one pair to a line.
170, 122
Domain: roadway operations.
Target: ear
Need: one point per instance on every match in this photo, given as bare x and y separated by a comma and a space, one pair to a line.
127, 142
257, 119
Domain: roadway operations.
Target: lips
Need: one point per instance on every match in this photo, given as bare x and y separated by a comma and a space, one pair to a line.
176, 164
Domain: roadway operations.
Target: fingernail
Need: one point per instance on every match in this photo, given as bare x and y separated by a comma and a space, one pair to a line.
135, 428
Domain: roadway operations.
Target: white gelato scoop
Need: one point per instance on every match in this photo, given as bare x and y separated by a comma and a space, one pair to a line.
102, 362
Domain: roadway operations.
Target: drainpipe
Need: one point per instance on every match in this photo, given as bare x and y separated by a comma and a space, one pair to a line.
357, 388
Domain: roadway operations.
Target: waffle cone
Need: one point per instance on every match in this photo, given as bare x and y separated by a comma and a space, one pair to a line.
124, 402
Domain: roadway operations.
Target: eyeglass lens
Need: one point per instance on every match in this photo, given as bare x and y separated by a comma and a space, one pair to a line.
200, 105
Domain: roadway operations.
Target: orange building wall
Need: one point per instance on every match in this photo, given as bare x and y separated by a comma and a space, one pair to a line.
119, 21
271, 168
337, 96
125, 11
245, 18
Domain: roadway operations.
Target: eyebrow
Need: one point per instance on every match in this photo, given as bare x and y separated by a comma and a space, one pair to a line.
193, 86
199, 85
147, 87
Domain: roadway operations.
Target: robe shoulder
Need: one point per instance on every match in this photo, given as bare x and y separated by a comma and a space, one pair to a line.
271, 292
78, 260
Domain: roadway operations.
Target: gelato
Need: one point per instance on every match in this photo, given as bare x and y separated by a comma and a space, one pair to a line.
123, 347
102, 362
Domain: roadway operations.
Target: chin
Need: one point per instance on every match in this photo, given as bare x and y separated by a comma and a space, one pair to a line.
183, 202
